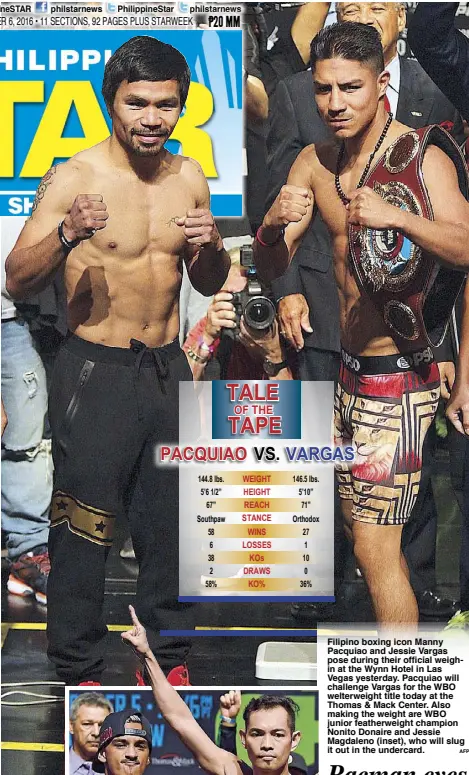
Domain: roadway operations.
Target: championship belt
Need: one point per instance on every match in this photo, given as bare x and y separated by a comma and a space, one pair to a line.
413, 292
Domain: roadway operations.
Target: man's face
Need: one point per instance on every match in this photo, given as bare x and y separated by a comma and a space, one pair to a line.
347, 94
388, 18
85, 730
268, 739
126, 755
144, 115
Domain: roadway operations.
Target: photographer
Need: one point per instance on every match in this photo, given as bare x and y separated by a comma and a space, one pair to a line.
242, 351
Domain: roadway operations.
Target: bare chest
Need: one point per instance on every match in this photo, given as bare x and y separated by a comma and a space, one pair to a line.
142, 218
334, 214
332, 209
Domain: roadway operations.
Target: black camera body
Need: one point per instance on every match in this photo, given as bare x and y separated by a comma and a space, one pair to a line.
252, 303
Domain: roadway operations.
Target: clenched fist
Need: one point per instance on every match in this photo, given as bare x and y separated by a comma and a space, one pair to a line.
230, 704
290, 206
367, 208
199, 228
88, 215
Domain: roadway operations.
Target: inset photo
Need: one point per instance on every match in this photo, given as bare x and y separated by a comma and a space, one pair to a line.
117, 731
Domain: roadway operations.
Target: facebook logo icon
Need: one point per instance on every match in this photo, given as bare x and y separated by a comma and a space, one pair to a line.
40, 7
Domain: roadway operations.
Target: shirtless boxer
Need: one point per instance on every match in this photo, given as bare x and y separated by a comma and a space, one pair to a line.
382, 408
129, 214
269, 738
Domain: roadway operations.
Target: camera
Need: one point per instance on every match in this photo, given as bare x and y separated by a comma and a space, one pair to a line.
252, 303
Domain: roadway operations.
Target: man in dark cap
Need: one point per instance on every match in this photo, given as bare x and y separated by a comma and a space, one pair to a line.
124, 744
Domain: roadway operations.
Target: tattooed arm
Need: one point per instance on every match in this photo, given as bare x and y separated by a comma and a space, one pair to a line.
39, 252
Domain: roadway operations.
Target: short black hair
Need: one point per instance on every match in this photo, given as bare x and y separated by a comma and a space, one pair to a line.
145, 58
348, 40
268, 701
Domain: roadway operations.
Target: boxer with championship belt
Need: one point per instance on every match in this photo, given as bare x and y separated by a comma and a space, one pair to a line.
389, 384
413, 291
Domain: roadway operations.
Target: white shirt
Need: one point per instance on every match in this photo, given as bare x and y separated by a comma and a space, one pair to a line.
394, 69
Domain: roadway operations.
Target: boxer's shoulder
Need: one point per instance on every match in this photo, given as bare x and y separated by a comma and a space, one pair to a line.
326, 152
192, 170
194, 181
76, 172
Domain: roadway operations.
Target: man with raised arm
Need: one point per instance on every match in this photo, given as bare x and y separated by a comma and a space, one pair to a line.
129, 213
389, 385
269, 737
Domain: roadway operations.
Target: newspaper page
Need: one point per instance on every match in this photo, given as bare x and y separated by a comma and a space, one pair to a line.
235, 348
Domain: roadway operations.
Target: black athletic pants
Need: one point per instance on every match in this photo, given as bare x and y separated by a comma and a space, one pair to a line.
108, 409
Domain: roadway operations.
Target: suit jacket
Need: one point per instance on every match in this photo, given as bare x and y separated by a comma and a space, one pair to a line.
442, 50
294, 123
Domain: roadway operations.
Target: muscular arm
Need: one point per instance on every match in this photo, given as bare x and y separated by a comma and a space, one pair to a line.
447, 236
206, 259
442, 50
38, 252
230, 705
211, 758
175, 711
292, 210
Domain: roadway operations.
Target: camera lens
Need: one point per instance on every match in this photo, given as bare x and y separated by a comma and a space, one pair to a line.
259, 313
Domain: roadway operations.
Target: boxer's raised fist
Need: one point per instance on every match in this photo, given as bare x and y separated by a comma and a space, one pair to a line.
290, 206
87, 215
230, 704
199, 228
368, 208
